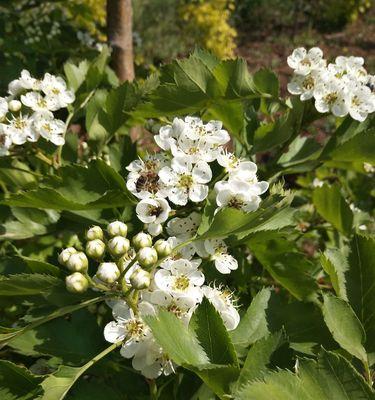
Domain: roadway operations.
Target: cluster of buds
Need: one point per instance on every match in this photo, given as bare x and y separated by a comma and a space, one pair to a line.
120, 263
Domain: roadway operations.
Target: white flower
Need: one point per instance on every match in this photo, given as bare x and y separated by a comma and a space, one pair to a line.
49, 128
5, 141
361, 102
154, 229
129, 329
143, 180
331, 96
15, 105
349, 66
183, 279
239, 194
55, 88
218, 250
184, 182
20, 129
169, 133
304, 85
222, 301
38, 103
304, 62
3, 108
153, 210
184, 227
25, 81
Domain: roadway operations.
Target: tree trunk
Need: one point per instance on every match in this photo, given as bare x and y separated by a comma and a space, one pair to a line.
120, 37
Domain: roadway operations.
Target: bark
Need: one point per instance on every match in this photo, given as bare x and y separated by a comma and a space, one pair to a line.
120, 37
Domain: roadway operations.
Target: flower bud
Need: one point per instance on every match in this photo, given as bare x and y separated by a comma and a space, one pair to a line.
76, 283
117, 228
108, 272
147, 257
14, 105
95, 248
95, 232
118, 246
154, 229
163, 248
65, 254
142, 239
140, 279
78, 262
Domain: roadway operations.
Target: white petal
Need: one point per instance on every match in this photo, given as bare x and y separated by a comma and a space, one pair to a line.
114, 332
198, 193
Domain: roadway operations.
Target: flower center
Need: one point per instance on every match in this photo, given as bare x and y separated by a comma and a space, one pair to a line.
148, 181
235, 202
306, 62
47, 127
173, 308
19, 123
135, 328
356, 101
154, 211
42, 103
55, 91
181, 282
308, 83
185, 181
330, 98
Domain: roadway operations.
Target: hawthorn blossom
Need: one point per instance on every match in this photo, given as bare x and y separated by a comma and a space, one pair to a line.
303, 62
24, 82
218, 252
56, 90
49, 128
21, 130
3, 108
186, 182
5, 142
360, 102
223, 302
153, 210
331, 97
304, 85
38, 103
182, 279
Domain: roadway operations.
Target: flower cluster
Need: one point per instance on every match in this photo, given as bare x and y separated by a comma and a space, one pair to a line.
144, 275
27, 113
343, 87
182, 172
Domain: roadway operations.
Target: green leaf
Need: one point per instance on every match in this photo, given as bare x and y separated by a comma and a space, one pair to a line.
360, 287
344, 325
94, 109
266, 82
290, 269
257, 359
360, 148
58, 384
330, 378
17, 383
177, 340
332, 206
18, 264
74, 341
273, 214
76, 73
253, 325
212, 334
336, 265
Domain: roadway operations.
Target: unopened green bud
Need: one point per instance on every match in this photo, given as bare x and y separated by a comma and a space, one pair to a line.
95, 232
140, 279
78, 262
147, 257
163, 247
14, 105
65, 254
118, 246
95, 248
142, 239
117, 228
76, 283
108, 272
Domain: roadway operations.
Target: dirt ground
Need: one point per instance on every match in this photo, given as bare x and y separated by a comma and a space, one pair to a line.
270, 49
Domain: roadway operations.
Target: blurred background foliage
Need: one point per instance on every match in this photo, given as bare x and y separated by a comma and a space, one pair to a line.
41, 35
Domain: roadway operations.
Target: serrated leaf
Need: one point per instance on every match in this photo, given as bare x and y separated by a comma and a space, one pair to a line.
332, 206
212, 334
331, 378
253, 325
177, 340
266, 82
360, 287
344, 325
17, 383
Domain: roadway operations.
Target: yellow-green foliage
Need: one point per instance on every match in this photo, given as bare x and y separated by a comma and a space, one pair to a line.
207, 23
